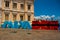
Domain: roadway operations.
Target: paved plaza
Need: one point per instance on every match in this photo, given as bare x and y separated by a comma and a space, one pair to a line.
23, 34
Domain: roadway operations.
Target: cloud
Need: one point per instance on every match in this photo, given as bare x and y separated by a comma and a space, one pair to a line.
44, 17
53, 16
37, 17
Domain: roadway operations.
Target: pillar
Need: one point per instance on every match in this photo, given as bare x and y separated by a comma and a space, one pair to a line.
3, 16
32, 17
10, 17
32, 8
18, 6
25, 10
26, 17
25, 6
11, 5
18, 17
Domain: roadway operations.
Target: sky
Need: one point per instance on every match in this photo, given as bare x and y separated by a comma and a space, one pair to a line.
47, 7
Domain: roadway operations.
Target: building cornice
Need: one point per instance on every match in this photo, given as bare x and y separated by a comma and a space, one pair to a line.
17, 11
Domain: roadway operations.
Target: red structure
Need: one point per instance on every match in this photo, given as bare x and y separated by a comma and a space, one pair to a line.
45, 25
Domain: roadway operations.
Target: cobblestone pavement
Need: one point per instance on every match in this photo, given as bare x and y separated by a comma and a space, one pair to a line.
22, 34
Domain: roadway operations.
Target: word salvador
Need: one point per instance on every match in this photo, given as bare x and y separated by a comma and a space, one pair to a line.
16, 24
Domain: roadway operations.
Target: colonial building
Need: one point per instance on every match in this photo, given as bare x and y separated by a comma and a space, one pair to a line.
12, 10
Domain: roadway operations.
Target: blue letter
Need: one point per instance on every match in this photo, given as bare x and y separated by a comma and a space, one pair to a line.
25, 25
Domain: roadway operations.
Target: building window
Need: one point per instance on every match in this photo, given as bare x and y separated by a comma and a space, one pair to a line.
29, 6
6, 16
28, 18
6, 3
22, 6
15, 5
21, 18
14, 17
